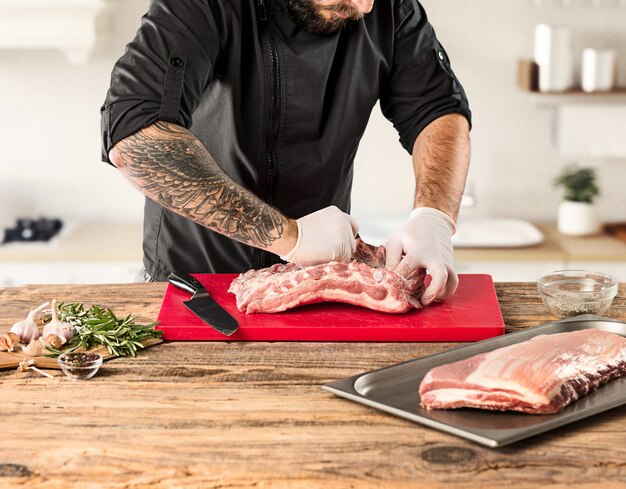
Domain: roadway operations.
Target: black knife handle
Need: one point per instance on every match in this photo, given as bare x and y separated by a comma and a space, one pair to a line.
186, 282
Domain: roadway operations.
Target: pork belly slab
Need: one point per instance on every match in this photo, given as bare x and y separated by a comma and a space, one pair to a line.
539, 376
362, 282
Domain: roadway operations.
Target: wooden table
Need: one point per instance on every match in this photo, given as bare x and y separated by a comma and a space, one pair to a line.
238, 415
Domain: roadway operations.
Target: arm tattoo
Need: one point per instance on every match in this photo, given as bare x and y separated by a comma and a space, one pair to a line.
172, 167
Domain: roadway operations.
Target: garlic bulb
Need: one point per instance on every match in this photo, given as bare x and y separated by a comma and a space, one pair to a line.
63, 330
27, 329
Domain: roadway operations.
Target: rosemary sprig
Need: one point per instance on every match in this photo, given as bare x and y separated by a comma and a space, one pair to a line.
99, 326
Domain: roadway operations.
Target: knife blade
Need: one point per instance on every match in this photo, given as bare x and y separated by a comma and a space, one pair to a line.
203, 305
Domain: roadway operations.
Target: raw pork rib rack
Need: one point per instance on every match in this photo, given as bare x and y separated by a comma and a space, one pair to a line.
362, 282
539, 376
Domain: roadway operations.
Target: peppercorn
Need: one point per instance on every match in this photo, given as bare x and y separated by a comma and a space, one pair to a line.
79, 359
80, 365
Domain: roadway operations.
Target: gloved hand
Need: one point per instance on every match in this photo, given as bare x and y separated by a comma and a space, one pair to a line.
425, 241
323, 236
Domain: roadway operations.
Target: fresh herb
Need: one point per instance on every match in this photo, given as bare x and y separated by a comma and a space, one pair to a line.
98, 326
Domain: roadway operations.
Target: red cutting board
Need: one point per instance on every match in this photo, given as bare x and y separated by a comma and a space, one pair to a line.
472, 314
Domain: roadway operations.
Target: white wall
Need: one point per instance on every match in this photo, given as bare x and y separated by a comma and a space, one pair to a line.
50, 135
514, 159
50, 130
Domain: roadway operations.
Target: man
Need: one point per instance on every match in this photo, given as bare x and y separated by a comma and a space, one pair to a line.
240, 119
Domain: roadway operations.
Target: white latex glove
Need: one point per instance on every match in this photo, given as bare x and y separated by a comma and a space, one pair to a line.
425, 241
323, 236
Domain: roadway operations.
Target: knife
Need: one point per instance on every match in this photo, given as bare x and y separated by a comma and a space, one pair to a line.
203, 305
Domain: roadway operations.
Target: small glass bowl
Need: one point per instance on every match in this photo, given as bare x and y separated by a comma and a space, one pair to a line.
80, 365
568, 293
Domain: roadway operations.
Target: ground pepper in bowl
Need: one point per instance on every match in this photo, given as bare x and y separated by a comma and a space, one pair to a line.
568, 293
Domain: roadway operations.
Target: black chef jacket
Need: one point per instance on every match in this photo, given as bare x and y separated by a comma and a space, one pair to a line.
281, 110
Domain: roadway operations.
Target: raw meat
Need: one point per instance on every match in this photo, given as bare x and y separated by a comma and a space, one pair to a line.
539, 376
362, 282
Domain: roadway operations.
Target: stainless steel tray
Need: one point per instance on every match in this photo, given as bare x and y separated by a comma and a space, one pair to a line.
395, 390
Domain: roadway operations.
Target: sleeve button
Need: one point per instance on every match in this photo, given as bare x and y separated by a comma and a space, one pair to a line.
176, 62
440, 54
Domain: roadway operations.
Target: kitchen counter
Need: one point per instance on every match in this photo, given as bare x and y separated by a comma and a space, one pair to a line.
601, 253
123, 242
97, 252
234, 415
556, 246
102, 252
82, 242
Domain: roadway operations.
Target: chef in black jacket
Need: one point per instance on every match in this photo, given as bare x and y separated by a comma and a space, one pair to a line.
239, 121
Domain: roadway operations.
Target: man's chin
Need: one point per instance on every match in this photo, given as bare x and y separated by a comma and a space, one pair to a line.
317, 21
326, 27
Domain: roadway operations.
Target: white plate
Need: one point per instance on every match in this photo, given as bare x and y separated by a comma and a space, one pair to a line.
495, 233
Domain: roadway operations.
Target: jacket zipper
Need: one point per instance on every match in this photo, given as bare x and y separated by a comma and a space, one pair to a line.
272, 136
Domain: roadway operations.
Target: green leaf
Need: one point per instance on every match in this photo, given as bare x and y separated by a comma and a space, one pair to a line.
579, 184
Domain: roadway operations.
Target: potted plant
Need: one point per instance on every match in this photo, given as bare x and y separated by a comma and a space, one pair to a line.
577, 214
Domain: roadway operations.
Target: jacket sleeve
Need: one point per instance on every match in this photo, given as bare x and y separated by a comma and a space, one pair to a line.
422, 86
164, 70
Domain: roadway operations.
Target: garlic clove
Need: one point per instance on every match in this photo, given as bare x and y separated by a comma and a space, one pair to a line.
8, 341
33, 349
54, 341
15, 339
5, 343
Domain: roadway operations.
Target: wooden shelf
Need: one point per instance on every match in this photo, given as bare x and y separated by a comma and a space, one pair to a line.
578, 97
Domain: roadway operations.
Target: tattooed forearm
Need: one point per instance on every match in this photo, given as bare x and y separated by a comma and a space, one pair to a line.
441, 156
172, 167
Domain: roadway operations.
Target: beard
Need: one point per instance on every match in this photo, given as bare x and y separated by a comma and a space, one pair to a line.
322, 19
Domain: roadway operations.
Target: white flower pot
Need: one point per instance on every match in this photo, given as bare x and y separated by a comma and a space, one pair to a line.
577, 218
